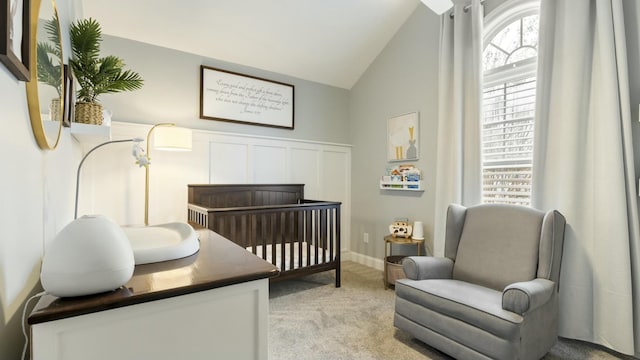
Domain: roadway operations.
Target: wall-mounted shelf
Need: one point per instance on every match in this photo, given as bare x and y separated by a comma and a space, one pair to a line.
88, 133
401, 185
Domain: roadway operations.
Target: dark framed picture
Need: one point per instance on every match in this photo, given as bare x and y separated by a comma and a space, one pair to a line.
69, 96
15, 37
234, 97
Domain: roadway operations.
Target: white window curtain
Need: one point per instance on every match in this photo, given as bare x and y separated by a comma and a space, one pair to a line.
583, 166
458, 168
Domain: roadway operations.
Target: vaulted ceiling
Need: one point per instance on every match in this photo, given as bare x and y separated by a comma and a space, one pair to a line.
326, 41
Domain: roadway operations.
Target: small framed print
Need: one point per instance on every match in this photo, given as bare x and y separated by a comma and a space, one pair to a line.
69, 97
15, 37
403, 137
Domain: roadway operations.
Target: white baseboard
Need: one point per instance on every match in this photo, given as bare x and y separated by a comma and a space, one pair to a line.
363, 259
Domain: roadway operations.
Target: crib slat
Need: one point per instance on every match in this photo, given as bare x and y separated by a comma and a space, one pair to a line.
232, 229
274, 239
331, 232
323, 230
338, 248
291, 241
300, 237
309, 235
244, 231
252, 233
316, 231
265, 222
283, 242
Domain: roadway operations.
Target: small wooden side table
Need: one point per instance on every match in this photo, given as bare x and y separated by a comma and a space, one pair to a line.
389, 240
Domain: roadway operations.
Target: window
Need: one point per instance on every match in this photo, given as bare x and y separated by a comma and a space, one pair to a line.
509, 71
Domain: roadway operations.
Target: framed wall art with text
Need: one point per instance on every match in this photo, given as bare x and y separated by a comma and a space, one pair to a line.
234, 97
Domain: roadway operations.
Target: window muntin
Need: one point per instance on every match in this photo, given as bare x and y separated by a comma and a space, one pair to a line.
515, 42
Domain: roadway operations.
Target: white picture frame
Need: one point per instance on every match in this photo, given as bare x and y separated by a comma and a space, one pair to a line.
403, 133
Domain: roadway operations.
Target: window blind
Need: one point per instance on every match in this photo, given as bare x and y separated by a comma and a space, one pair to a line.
507, 141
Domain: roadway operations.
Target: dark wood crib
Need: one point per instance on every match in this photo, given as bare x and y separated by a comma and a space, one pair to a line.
274, 222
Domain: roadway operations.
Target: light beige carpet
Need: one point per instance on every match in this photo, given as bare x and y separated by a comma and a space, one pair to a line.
311, 319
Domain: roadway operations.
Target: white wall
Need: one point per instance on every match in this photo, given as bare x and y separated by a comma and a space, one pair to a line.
112, 185
402, 79
36, 201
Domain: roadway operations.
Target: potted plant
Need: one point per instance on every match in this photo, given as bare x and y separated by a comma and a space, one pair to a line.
96, 75
49, 70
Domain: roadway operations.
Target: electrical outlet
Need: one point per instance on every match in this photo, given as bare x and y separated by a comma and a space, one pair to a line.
365, 238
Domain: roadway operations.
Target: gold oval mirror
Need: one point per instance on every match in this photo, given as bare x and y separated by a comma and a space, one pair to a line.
45, 90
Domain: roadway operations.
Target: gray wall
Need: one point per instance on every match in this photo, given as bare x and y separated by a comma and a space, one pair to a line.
171, 93
402, 79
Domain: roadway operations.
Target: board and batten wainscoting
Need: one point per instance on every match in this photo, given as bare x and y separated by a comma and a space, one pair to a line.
113, 185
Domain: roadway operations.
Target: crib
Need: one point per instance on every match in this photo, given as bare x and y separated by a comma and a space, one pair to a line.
274, 222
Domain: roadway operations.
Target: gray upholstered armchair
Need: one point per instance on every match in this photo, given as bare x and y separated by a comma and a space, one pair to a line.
495, 293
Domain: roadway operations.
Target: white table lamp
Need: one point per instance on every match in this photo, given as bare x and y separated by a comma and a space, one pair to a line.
167, 136
172, 138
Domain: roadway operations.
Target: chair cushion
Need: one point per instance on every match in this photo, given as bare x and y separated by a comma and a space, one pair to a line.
469, 303
498, 245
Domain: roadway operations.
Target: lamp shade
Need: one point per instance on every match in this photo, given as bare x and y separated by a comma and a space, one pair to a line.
438, 6
172, 138
90, 255
418, 230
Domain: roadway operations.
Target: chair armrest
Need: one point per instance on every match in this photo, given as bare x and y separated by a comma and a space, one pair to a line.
427, 267
525, 296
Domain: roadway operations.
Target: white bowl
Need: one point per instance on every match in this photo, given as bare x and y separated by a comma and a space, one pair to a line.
162, 242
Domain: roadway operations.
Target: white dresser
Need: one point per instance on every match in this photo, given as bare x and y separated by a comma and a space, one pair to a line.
211, 305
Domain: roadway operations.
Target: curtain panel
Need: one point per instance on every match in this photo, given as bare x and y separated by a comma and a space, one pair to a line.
583, 166
458, 166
